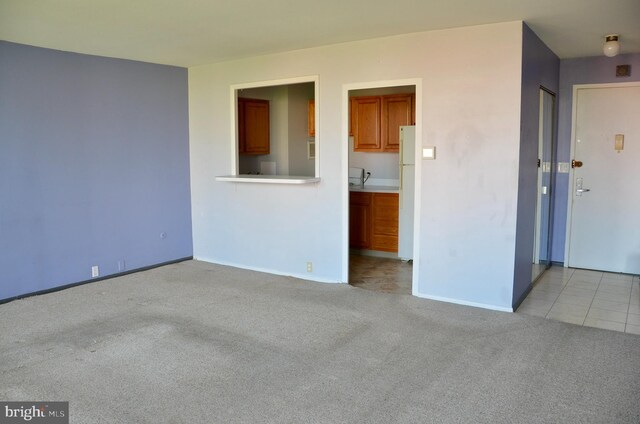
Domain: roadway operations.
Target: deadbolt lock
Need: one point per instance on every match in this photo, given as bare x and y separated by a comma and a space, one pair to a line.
576, 164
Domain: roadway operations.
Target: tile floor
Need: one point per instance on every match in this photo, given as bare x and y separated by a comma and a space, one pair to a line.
380, 274
577, 296
589, 298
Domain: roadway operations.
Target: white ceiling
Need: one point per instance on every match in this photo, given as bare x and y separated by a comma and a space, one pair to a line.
195, 32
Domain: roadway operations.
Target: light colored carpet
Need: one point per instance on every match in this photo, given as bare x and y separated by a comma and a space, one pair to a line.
199, 343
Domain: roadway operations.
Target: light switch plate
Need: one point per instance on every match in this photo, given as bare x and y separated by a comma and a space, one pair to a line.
619, 144
428, 152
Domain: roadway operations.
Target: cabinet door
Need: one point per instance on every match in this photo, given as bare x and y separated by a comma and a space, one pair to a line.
366, 123
255, 127
312, 118
396, 112
384, 217
360, 220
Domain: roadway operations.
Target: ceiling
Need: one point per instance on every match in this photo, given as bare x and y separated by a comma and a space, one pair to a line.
194, 32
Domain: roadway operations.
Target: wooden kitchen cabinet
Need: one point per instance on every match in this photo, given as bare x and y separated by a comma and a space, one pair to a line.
373, 221
253, 127
365, 122
384, 222
311, 121
397, 111
360, 220
376, 120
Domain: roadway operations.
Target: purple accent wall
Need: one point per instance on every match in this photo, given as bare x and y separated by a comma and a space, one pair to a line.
539, 68
588, 70
94, 166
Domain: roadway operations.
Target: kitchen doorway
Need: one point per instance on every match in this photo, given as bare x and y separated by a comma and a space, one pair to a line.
381, 192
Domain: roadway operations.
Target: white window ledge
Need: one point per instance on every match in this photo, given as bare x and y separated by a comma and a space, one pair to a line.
268, 179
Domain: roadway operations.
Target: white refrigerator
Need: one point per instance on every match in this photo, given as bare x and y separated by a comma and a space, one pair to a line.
407, 190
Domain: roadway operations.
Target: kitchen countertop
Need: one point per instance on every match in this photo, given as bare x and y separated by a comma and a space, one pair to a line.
375, 189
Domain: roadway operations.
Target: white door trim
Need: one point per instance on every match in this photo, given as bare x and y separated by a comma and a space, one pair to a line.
417, 82
576, 87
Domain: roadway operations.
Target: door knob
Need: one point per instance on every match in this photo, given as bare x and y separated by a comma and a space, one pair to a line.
582, 190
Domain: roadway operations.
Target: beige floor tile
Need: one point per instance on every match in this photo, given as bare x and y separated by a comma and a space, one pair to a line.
634, 309
617, 283
574, 300
619, 277
542, 296
537, 303
585, 278
559, 270
603, 314
577, 292
565, 317
605, 325
632, 329
614, 289
610, 306
546, 287
633, 319
553, 279
578, 310
612, 297
586, 285
532, 310
579, 271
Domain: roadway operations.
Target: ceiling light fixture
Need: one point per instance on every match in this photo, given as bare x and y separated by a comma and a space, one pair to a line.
611, 45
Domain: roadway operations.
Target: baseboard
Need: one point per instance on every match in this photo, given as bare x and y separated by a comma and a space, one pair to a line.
93, 280
464, 302
306, 277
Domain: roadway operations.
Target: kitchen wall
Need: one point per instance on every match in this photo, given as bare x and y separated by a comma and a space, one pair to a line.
587, 70
383, 166
469, 107
540, 67
94, 167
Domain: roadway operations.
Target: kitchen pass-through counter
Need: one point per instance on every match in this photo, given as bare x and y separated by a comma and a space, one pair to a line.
374, 188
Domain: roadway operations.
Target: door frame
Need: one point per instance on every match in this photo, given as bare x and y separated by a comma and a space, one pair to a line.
417, 82
574, 104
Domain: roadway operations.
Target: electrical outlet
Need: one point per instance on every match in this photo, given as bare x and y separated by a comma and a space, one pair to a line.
95, 271
309, 266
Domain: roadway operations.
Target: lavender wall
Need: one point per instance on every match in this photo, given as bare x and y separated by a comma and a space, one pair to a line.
588, 70
539, 68
94, 166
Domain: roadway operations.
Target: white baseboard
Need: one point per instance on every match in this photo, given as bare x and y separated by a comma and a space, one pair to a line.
308, 277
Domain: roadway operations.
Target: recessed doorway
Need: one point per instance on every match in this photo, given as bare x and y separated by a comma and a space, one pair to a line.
381, 121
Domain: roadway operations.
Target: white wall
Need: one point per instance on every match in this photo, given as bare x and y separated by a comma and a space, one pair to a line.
470, 110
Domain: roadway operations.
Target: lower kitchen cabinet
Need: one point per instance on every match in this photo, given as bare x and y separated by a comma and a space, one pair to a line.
373, 221
384, 222
360, 220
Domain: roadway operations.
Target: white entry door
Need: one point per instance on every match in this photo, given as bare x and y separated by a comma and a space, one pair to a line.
605, 214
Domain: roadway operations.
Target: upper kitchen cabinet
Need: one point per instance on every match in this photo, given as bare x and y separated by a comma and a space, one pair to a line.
397, 111
253, 126
365, 121
376, 121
